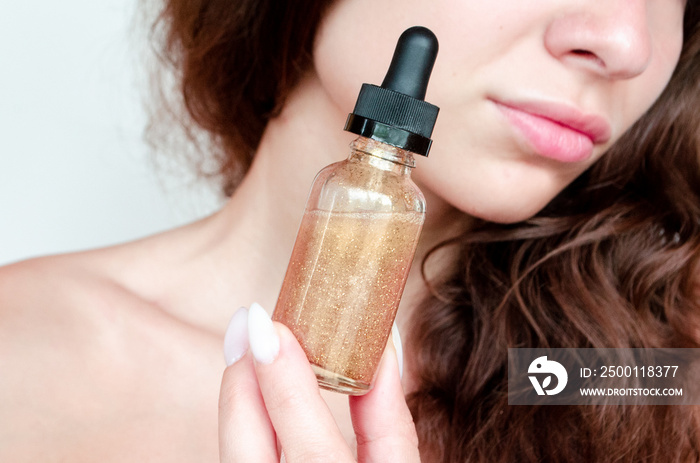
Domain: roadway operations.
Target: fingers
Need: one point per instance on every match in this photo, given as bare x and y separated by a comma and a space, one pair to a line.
381, 419
304, 425
245, 431
270, 392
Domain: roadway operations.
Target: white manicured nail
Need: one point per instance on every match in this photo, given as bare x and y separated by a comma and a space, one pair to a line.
396, 338
264, 342
236, 337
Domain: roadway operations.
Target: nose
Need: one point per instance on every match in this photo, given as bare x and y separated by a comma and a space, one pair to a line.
608, 38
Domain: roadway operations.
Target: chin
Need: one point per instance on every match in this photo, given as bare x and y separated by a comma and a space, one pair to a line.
492, 199
505, 208
503, 217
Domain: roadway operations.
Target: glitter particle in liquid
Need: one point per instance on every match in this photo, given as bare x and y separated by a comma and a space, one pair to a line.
343, 287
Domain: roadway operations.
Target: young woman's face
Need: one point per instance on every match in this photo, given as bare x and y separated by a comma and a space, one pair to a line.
531, 93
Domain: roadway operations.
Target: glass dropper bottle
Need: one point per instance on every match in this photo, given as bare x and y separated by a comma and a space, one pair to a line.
361, 227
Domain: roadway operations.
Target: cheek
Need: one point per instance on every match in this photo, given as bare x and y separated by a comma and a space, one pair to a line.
353, 48
496, 190
642, 92
356, 40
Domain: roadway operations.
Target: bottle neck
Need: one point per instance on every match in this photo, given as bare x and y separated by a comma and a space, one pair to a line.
382, 155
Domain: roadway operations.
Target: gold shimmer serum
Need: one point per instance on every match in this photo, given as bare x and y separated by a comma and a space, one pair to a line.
361, 227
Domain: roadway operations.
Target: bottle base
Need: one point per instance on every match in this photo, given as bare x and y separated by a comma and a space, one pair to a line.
339, 383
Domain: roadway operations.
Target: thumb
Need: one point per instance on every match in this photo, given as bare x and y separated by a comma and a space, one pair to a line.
381, 419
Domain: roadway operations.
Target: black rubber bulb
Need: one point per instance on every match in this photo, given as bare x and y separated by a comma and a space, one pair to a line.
396, 113
412, 63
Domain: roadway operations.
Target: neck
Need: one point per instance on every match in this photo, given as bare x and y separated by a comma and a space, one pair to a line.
259, 223
241, 253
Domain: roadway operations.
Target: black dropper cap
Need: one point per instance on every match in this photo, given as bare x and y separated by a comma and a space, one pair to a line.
396, 113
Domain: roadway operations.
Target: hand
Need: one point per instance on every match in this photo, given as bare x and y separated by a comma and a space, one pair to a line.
270, 393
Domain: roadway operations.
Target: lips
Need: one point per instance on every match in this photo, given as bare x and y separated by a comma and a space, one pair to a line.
556, 131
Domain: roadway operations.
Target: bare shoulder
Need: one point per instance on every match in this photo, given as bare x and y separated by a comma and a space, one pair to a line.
62, 294
42, 294
50, 311
92, 356
67, 344
56, 297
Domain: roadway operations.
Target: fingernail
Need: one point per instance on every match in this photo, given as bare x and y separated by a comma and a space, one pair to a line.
396, 338
236, 337
264, 343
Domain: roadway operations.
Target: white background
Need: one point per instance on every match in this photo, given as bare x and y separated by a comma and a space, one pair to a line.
75, 172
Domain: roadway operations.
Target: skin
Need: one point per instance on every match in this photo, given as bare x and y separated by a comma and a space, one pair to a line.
609, 59
116, 354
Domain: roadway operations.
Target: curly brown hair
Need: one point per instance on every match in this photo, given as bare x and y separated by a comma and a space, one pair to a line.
234, 64
611, 262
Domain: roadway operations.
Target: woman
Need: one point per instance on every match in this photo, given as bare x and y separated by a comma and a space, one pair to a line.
586, 236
